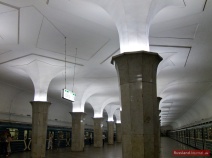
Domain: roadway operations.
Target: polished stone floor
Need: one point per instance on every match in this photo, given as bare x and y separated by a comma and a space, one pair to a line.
168, 145
109, 151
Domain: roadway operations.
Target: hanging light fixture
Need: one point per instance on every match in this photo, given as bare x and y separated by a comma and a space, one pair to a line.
67, 94
75, 62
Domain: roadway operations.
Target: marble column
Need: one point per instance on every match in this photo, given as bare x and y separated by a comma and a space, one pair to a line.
110, 129
137, 77
118, 132
98, 125
157, 130
77, 143
39, 128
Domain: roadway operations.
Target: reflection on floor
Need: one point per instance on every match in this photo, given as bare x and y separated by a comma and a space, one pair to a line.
109, 151
168, 145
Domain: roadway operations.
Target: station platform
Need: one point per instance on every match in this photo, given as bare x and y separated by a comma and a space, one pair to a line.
111, 151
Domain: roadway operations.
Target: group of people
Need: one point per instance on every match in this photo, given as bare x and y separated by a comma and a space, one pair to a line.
6, 140
5, 143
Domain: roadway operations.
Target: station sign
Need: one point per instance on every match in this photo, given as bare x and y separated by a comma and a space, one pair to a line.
69, 95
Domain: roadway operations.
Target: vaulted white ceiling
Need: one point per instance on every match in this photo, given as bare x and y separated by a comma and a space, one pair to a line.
36, 30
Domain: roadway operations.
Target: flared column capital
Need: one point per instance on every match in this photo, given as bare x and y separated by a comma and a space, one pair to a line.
97, 118
77, 114
135, 53
138, 66
159, 99
40, 107
112, 122
98, 121
40, 103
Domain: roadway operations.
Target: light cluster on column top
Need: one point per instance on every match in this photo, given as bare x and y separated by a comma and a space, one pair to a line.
120, 108
118, 121
76, 107
135, 46
110, 109
97, 115
110, 119
132, 22
41, 74
40, 97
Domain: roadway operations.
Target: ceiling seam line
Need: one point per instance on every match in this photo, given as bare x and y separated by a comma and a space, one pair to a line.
47, 20
6, 52
204, 5
60, 53
9, 5
39, 32
8, 12
40, 56
155, 45
19, 9
171, 37
19, 24
187, 57
99, 49
110, 55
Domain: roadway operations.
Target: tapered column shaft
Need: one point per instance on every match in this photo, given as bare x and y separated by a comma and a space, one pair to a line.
98, 125
110, 129
157, 131
77, 131
118, 132
39, 128
137, 75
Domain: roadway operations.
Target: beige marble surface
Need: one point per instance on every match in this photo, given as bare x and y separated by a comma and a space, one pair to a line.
39, 128
118, 132
77, 143
137, 75
110, 129
98, 124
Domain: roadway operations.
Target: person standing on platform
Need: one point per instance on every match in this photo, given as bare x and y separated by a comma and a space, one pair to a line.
9, 139
103, 139
58, 140
50, 141
90, 139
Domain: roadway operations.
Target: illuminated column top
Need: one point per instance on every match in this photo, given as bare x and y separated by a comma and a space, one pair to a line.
111, 110
98, 113
117, 114
133, 19
76, 107
41, 74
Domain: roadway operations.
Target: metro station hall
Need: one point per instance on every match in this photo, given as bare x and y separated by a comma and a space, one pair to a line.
105, 78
